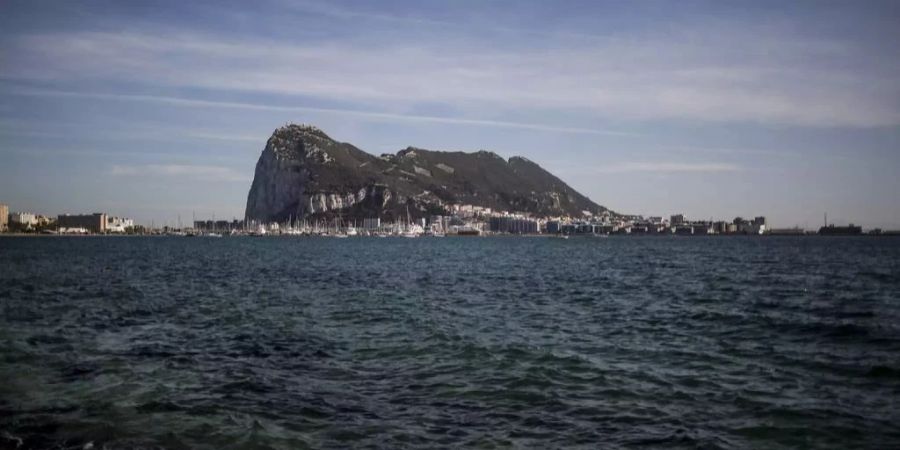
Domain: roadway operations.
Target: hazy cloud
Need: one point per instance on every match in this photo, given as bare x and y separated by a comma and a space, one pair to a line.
766, 75
209, 173
657, 167
373, 115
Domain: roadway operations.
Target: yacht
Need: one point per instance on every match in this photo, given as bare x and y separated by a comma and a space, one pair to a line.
260, 231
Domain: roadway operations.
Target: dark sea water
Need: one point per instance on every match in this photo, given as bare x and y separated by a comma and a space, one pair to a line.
457, 342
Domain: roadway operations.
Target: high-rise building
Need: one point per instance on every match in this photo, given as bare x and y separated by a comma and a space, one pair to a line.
4, 217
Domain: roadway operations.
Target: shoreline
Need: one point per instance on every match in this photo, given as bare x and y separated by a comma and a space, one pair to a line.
504, 235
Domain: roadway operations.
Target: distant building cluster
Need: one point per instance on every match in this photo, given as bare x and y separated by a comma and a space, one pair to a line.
16, 221
472, 219
95, 223
459, 220
676, 224
503, 222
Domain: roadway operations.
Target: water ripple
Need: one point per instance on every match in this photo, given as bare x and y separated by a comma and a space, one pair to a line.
495, 343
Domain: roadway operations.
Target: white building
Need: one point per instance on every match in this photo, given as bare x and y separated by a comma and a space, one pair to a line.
118, 224
22, 220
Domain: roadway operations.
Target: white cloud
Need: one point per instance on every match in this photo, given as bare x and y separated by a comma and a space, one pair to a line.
213, 136
156, 132
652, 167
669, 167
707, 72
382, 116
200, 172
338, 11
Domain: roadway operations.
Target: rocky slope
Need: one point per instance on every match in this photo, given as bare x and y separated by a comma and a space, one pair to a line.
302, 172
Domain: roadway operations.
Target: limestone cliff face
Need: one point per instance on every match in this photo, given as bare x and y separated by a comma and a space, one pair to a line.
279, 183
302, 172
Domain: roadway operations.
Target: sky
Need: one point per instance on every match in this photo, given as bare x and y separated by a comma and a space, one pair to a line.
159, 110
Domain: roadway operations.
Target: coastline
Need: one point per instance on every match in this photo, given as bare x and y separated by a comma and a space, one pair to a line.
497, 235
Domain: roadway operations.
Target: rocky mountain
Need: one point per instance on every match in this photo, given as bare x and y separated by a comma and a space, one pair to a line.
302, 172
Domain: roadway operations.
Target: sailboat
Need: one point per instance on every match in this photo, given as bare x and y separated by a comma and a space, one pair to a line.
339, 231
410, 230
191, 231
260, 231
213, 233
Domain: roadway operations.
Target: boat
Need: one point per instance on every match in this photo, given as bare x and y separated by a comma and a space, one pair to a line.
260, 231
412, 230
191, 232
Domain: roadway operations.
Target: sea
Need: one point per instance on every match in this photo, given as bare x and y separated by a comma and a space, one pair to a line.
456, 342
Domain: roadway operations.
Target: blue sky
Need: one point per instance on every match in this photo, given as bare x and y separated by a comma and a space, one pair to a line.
713, 109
